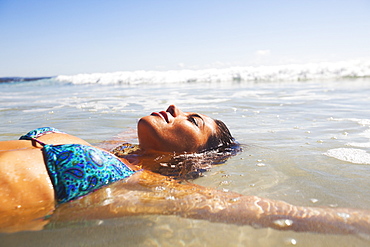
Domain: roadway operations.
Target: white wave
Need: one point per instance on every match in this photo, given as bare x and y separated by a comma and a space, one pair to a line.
366, 134
360, 121
292, 72
359, 144
357, 156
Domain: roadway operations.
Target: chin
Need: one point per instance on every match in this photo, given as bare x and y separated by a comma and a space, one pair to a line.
147, 134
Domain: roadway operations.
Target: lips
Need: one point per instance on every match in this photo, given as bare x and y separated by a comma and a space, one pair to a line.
161, 114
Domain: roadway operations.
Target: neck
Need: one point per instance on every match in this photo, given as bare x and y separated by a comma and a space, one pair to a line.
146, 159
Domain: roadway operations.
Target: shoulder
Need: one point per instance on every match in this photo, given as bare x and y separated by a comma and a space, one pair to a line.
61, 138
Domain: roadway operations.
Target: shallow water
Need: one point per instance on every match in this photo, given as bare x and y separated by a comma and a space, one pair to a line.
307, 143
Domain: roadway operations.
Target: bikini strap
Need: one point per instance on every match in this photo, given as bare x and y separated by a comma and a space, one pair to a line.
34, 134
40, 132
39, 142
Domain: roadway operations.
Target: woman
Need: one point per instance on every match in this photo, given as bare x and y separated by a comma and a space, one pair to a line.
47, 164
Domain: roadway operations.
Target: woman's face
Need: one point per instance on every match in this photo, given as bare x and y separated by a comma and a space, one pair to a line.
175, 131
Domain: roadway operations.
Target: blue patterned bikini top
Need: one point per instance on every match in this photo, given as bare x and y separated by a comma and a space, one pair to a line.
75, 169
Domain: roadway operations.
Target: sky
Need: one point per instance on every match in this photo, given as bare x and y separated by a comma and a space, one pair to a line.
67, 37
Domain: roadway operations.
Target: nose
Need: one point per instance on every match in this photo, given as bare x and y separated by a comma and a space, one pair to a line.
174, 111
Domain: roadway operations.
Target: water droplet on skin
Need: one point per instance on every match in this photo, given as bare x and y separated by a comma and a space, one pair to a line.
283, 222
345, 216
160, 188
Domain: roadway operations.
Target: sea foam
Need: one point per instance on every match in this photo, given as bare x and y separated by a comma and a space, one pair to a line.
352, 155
292, 72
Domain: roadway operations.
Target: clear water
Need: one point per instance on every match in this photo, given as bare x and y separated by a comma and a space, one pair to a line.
307, 143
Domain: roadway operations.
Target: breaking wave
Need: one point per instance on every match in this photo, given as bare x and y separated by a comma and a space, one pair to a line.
292, 72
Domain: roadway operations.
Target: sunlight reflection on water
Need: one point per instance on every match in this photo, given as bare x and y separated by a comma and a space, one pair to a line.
285, 130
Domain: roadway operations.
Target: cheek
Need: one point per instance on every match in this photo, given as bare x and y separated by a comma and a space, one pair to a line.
187, 138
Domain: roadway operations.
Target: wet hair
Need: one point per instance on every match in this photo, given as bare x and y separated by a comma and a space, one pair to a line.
219, 147
221, 139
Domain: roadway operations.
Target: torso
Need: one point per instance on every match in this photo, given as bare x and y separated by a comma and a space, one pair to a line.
26, 187
25, 182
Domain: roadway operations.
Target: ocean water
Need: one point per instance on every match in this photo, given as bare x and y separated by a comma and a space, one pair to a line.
305, 132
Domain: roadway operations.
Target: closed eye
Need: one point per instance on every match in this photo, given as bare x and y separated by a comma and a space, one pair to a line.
194, 119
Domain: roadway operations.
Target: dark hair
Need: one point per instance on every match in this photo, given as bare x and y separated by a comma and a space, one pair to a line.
221, 139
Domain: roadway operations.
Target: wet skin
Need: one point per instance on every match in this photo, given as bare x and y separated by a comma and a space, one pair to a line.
27, 194
175, 131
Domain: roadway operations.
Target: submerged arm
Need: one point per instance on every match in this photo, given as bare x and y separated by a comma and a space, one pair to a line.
149, 193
